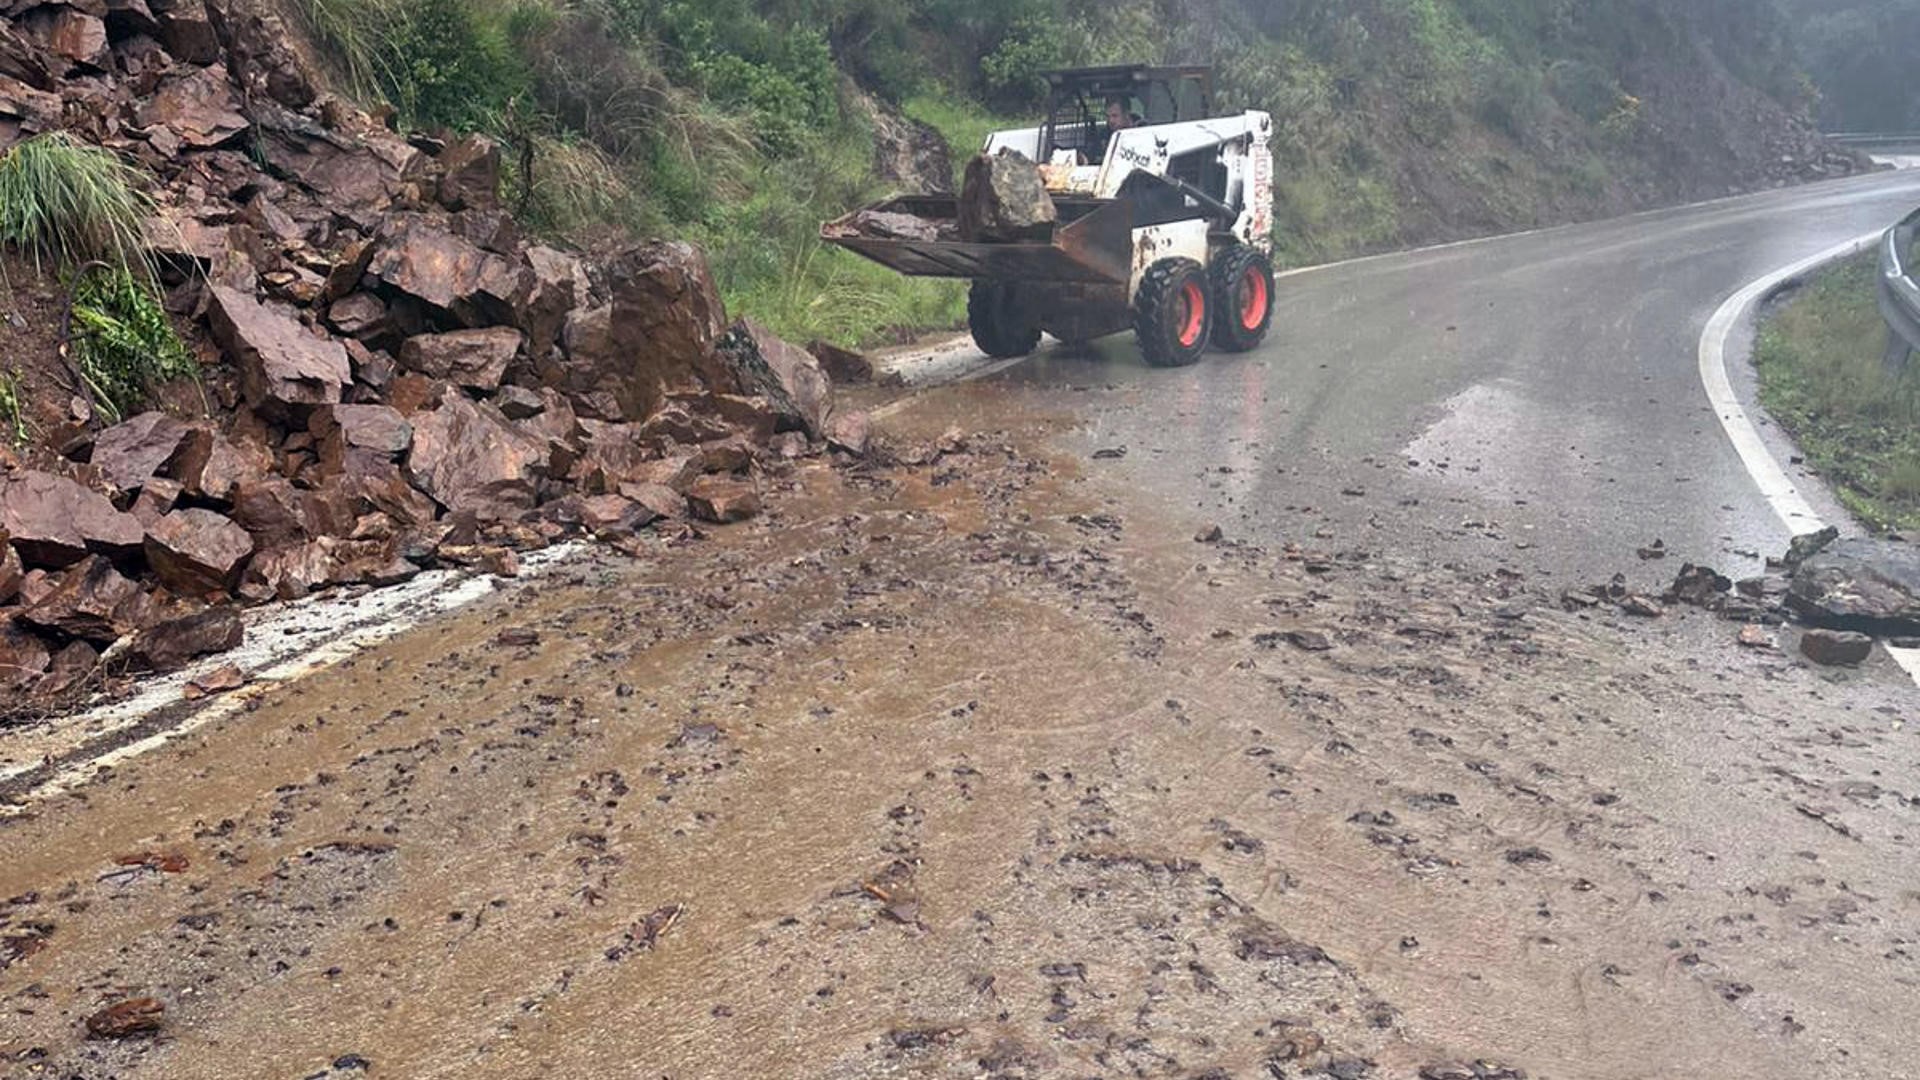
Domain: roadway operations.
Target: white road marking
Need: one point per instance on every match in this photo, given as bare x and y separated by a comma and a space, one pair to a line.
284, 643
1779, 489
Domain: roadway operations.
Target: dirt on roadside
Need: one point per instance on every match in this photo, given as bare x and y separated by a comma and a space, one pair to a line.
981, 766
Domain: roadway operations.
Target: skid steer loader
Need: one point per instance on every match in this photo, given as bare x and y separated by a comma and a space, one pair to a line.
1162, 227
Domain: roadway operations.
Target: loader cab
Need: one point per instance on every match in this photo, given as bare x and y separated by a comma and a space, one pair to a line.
1076, 104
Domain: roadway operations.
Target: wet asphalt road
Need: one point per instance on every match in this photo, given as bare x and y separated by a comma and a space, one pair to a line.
1534, 399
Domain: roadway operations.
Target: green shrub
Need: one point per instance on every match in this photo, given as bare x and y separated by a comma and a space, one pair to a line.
1584, 88
123, 342
66, 202
1011, 72
13, 413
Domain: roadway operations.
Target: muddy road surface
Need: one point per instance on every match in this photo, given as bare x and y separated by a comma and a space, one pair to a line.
1006, 764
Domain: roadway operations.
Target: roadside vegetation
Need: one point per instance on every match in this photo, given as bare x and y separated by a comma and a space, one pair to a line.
1823, 378
741, 124
77, 212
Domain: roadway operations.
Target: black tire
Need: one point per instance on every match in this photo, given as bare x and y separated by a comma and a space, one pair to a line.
999, 326
1242, 298
1172, 313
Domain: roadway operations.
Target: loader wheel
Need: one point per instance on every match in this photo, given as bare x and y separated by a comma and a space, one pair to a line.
1172, 313
1000, 327
1243, 293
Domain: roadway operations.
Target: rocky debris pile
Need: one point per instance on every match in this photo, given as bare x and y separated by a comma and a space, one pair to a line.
414, 384
1845, 593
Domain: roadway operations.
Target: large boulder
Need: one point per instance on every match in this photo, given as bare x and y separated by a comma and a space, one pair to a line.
789, 377
188, 32
340, 429
55, 522
92, 602
470, 458
196, 552
360, 178
560, 287
474, 287
476, 359
1003, 198
284, 369
271, 510
172, 644
198, 107
208, 464
657, 335
1865, 585
129, 454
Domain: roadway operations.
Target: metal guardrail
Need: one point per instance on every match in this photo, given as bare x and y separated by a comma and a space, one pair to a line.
1899, 293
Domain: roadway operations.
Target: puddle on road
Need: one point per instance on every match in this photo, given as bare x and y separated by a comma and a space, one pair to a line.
986, 768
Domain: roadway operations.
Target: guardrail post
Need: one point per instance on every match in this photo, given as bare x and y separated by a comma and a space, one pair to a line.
1898, 353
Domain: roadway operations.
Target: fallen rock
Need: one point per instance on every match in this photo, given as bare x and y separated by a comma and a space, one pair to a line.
470, 173
789, 377
130, 453
468, 457
289, 572
1806, 545
54, 522
127, 1019
11, 570
662, 500
363, 316
1866, 585
271, 510
476, 359
187, 31
519, 403
657, 335
607, 516
1210, 534
174, 643
23, 656
92, 602
425, 261
76, 36
284, 370
199, 108
1833, 648
157, 498
195, 552
1700, 586
337, 429
850, 431
722, 501
218, 681
1754, 636
844, 367
1002, 198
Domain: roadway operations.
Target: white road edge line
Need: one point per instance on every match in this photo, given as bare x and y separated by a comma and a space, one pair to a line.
1779, 489
286, 643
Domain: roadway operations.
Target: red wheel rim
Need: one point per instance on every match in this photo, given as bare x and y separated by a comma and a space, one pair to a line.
1196, 314
1253, 298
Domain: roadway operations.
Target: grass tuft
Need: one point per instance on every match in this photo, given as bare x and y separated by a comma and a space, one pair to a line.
13, 411
67, 203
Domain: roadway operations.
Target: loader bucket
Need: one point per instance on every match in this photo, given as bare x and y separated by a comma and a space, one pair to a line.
1091, 246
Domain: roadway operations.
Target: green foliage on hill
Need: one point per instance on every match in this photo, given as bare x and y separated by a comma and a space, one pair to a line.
1861, 53
743, 123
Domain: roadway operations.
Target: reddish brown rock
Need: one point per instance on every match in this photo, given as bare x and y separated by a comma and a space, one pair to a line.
195, 552
339, 428
55, 522
662, 500
188, 32
656, 337
559, 289
209, 464
470, 173
71, 668
198, 107
75, 36
519, 403
844, 367
469, 457
288, 573
789, 377
271, 511
284, 370
11, 569
850, 432
128, 454
722, 501
476, 359
127, 1019
93, 602
751, 417
172, 644
23, 656
1836, 648
423, 260
157, 497
361, 315
677, 424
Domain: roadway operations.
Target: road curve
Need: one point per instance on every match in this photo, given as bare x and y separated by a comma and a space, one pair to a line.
1532, 398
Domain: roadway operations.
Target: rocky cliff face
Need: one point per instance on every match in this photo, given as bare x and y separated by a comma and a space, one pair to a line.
398, 379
